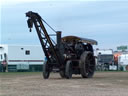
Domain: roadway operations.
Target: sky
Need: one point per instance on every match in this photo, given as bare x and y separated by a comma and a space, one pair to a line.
105, 21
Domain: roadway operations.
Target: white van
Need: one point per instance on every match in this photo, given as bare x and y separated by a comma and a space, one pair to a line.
123, 61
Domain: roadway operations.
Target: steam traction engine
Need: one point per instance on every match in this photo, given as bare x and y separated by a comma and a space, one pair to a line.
71, 54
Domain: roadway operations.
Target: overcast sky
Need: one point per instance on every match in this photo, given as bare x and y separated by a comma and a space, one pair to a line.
104, 21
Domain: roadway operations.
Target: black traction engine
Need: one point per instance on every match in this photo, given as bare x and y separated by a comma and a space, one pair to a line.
70, 55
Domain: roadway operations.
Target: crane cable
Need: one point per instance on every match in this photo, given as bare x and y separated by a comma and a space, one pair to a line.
48, 25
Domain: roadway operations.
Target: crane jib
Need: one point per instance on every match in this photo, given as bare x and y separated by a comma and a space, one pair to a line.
34, 18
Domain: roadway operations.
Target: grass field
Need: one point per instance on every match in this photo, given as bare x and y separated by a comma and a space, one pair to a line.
33, 84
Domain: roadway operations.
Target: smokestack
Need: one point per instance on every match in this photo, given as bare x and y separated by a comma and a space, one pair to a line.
58, 36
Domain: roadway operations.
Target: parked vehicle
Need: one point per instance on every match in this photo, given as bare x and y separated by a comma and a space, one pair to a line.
105, 60
22, 57
123, 61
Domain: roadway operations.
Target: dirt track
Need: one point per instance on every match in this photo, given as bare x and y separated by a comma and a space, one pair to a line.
32, 84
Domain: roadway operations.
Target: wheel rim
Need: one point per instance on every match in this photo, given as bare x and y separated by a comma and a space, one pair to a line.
90, 65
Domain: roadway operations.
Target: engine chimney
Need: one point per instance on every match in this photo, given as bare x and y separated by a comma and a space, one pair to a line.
58, 38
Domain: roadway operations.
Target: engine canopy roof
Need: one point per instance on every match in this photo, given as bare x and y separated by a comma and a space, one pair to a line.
79, 39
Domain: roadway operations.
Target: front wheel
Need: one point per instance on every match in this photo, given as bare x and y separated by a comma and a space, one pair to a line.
62, 73
46, 70
68, 69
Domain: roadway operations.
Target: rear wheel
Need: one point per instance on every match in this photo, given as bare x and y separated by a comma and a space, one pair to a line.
46, 70
68, 70
87, 64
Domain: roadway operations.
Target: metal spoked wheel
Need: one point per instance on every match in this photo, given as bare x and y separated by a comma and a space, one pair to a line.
68, 70
46, 71
87, 63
